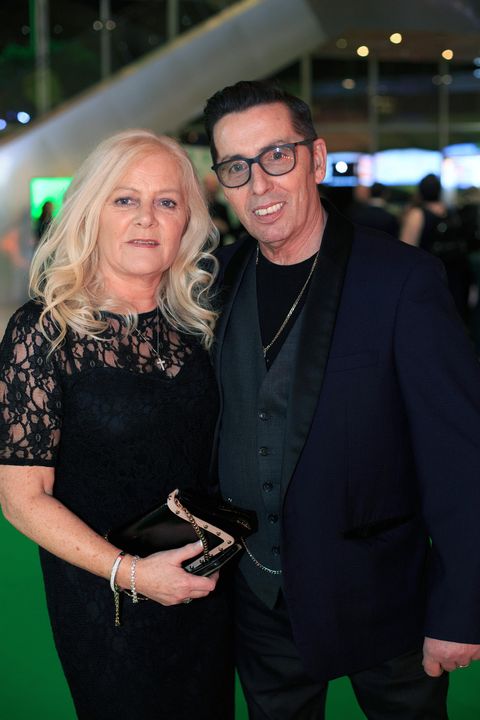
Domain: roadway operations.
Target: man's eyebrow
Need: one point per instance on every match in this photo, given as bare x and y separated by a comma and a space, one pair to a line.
274, 144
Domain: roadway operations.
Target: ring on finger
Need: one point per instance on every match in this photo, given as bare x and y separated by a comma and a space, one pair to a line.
187, 600
461, 667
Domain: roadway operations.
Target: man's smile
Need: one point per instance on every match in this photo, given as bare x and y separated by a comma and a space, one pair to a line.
269, 210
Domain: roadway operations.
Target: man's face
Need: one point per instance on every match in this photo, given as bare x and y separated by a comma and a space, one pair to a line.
282, 211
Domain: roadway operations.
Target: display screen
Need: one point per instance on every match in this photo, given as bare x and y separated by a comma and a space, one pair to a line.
341, 169
47, 189
461, 171
405, 166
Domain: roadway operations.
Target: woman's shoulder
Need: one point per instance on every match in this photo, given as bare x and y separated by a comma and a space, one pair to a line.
29, 311
26, 317
26, 327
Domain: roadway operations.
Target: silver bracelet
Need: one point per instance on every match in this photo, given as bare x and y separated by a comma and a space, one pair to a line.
113, 573
133, 569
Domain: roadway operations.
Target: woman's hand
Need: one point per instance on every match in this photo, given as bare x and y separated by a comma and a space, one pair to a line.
25, 496
161, 577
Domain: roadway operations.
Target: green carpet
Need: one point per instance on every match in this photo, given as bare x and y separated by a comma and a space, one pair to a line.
31, 680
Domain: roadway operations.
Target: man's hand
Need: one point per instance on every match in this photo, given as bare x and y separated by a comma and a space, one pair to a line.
440, 655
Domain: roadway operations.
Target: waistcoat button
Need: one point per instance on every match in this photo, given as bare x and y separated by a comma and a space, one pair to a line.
275, 550
273, 518
263, 415
267, 486
263, 451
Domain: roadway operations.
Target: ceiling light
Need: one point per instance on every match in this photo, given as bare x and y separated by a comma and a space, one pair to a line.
348, 84
447, 54
363, 51
23, 117
396, 38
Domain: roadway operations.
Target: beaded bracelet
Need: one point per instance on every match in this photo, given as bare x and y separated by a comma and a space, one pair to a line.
133, 569
114, 587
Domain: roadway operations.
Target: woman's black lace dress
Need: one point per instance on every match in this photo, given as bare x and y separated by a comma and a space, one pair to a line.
121, 434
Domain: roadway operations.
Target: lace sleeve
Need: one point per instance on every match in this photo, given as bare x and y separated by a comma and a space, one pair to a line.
30, 393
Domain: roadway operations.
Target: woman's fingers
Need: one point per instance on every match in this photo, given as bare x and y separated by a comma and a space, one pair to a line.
161, 576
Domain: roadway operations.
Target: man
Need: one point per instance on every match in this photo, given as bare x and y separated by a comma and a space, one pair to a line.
373, 211
351, 424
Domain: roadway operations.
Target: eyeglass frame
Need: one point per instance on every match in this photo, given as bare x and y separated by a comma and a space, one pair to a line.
256, 159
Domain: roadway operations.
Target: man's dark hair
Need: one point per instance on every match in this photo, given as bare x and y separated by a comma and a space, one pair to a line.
249, 93
430, 188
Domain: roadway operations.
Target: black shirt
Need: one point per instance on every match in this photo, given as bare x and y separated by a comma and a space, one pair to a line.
278, 286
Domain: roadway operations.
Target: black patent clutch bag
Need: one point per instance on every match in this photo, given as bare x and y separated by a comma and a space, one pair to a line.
184, 518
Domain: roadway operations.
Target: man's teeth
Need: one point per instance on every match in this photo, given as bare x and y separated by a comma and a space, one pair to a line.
268, 211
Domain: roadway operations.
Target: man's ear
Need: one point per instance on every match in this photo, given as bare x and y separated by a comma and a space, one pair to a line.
319, 159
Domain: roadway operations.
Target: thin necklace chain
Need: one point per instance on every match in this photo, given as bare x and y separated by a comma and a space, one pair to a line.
159, 362
266, 348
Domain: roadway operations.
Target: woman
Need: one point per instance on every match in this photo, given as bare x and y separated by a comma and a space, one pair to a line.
46, 217
438, 230
108, 404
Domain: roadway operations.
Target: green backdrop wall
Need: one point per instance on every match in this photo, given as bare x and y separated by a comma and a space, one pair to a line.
31, 680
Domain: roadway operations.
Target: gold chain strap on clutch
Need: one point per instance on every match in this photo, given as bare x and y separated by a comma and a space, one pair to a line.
198, 530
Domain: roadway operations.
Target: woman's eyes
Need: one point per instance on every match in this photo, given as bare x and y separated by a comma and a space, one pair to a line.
124, 201
134, 202
166, 202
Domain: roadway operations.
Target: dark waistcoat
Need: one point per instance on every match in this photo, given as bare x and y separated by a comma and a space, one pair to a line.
253, 431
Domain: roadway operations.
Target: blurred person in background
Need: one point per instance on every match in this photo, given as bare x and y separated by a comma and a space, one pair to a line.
437, 229
109, 403
372, 212
43, 222
469, 212
218, 210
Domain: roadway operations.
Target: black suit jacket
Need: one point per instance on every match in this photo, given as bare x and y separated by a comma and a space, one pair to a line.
382, 453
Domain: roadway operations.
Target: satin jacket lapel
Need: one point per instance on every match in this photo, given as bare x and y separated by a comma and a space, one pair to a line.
318, 324
232, 277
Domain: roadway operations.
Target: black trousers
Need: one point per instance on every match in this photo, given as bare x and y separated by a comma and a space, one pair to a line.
276, 686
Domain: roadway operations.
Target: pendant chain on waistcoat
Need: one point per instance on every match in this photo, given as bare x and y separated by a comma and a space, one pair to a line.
259, 564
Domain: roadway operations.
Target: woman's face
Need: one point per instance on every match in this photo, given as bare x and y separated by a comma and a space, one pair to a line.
142, 222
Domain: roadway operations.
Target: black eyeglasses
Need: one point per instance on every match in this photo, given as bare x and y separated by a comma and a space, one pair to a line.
275, 160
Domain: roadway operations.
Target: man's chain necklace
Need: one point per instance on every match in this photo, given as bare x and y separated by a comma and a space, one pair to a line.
282, 327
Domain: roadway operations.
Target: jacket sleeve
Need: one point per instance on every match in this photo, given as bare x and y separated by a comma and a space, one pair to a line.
440, 382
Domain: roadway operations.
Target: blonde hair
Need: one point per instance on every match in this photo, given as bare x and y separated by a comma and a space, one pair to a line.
64, 273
